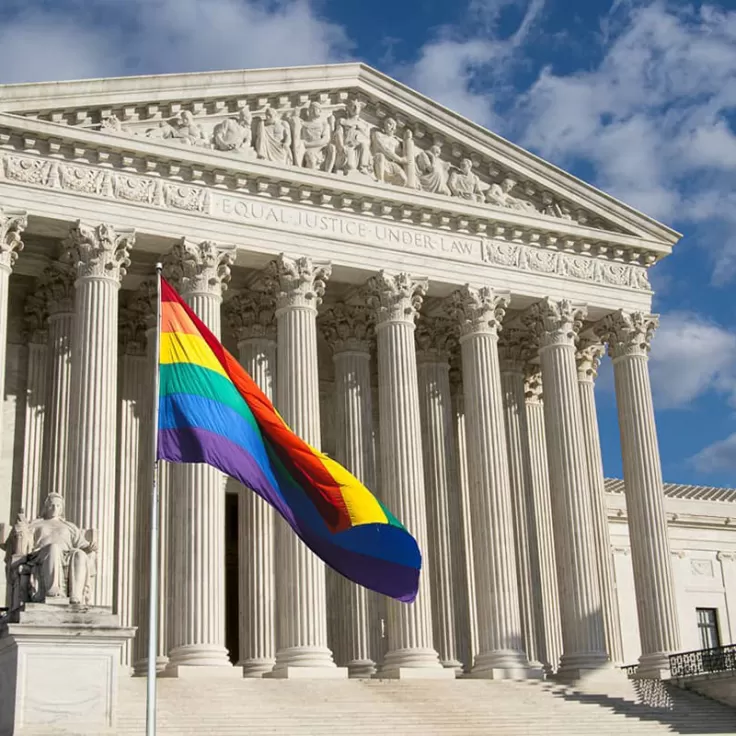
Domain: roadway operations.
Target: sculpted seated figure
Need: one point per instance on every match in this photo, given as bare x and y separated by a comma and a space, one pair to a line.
500, 194
465, 184
351, 148
273, 138
49, 557
312, 134
388, 163
234, 134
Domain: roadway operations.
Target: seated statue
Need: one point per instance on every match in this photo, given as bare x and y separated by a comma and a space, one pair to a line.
311, 137
350, 149
388, 162
465, 184
48, 557
234, 134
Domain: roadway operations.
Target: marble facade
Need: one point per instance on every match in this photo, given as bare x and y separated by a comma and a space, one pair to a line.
423, 299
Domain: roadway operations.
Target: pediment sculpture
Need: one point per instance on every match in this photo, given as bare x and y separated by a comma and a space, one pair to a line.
48, 557
349, 140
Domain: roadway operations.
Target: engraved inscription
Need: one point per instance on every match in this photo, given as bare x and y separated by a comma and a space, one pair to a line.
346, 227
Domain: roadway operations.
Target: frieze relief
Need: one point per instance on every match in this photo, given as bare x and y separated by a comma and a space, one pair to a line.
341, 134
177, 195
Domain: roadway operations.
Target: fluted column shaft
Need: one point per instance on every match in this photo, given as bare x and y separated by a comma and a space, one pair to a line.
514, 346
256, 524
550, 646
466, 618
396, 300
101, 256
57, 421
301, 604
198, 518
440, 477
629, 339
33, 450
584, 648
134, 375
588, 358
479, 313
349, 332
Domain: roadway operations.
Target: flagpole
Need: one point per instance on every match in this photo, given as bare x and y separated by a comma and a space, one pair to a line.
153, 573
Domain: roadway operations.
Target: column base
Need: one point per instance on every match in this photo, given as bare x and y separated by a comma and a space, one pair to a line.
361, 669
505, 664
307, 673
140, 668
588, 668
654, 666
199, 655
194, 672
424, 659
414, 673
305, 656
454, 665
256, 667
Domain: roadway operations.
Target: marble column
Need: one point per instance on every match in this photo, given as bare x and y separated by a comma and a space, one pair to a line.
433, 339
588, 356
556, 325
349, 331
12, 225
466, 619
143, 306
513, 349
100, 256
36, 394
58, 288
134, 376
629, 339
201, 271
396, 299
479, 313
550, 647
252, 321
301, 605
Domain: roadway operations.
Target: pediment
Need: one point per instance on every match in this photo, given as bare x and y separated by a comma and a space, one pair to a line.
344, 120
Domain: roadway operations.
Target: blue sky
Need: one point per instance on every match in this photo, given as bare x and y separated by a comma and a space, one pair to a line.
638, 98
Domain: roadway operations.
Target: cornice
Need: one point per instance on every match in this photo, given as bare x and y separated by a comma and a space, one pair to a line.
78, 103
511, 239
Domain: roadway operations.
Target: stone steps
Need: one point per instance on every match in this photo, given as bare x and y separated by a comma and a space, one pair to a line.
430, 708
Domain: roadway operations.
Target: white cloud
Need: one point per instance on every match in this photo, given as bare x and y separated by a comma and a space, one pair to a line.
690, 357
652, 117
93, 38
464, 71
718, 457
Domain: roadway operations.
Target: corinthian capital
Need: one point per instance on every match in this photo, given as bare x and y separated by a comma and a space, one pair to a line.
348, 328
36, 315
627, 333
588, 357
435, 338
12, 225
554, 321
395, 297
297, 282
57, 288
200, 268
252, 315
99, 251
515, 348
477, 311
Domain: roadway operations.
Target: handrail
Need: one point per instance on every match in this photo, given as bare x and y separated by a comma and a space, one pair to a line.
703, 661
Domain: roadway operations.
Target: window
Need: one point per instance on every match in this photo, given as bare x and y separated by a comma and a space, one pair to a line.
708, 628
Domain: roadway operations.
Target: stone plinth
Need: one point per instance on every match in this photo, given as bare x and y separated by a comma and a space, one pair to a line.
59, 667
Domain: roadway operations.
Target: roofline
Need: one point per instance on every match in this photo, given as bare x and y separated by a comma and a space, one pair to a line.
681, 491
30, 95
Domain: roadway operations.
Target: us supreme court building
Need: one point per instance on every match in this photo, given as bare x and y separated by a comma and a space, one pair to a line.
425, 301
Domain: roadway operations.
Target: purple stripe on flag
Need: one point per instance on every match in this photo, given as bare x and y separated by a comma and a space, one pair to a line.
194, 445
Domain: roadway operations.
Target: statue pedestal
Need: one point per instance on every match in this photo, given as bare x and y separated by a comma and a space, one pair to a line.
59, 666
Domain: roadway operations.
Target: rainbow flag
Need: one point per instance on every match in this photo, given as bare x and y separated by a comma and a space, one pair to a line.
211, 411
